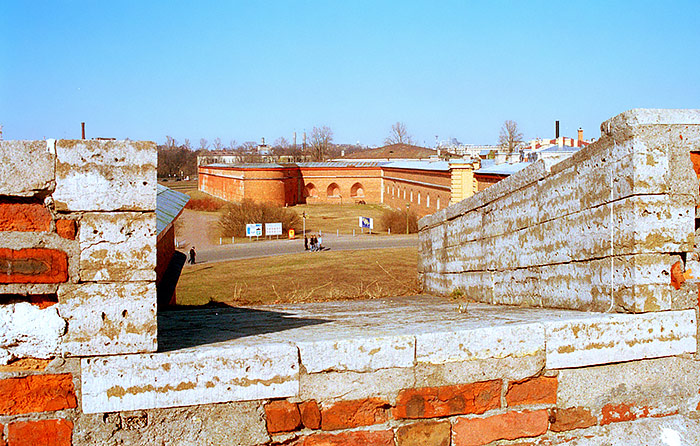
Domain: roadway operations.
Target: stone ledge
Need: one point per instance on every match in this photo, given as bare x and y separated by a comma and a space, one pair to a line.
238, 354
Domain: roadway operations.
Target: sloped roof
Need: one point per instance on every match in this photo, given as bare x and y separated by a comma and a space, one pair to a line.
489, 167
169, 205
420, 165
394, 151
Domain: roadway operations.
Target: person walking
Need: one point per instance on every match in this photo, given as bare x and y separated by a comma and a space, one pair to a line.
306, 243
193, 254
320, 242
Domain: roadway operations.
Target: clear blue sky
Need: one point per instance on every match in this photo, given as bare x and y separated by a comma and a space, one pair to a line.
245, 70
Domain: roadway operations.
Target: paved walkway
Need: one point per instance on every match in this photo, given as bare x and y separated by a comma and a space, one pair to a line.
266, 248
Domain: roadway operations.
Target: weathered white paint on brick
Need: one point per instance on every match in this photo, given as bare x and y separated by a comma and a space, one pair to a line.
357, 354
109, 318
29, 331
119, 246
211, 374
105, 175
609, 338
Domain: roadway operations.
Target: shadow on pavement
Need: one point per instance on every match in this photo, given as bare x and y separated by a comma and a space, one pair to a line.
182, 328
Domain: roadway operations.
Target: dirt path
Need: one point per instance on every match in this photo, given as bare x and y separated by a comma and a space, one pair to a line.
196, 228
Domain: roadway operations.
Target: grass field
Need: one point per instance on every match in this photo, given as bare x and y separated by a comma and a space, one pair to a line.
305, 277
330, 218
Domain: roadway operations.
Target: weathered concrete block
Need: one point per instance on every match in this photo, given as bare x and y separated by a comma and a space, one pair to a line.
27, 168
475, 370
358, 354
105, 176
654, 223
556, 196
642, 282
480, 342
636, 382
109, 318
331, 386
517, 287
587, 234
241, 423
27, 330
619, 337
22, 241
118, 246
582, 286
189, 377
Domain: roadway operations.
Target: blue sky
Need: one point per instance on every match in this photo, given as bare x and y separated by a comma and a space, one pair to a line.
246, 70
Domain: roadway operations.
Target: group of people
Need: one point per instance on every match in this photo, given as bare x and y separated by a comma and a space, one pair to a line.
313, 243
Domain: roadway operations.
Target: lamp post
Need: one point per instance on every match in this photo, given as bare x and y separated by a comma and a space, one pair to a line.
303, 218
408, 205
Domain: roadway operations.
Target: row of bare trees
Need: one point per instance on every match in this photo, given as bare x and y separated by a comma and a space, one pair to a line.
180, 159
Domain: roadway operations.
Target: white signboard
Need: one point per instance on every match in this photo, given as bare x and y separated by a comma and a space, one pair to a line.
253, 230
273, 228
367, 222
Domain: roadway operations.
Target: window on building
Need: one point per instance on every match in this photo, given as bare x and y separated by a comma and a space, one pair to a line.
411, 196
427, 201
438, 203
404, 194
418, 197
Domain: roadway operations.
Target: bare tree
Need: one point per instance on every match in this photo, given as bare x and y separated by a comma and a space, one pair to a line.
170, 142
232, 145
398, 135
203, 144
187, 144
320, 142
218, 145
510, 137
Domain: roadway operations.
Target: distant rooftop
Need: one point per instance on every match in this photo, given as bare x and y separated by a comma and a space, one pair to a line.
403, 151
490, 167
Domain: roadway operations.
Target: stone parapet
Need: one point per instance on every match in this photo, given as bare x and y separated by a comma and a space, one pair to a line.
77, 248
598, 231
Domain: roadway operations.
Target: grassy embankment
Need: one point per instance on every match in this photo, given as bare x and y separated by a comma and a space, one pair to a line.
341, 275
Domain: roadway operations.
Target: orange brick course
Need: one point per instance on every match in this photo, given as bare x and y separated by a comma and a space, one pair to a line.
37, 393
508, 426
310, 414
540, 390
358, 438
2, 436
33, 265
432, 402
355, 413
41, 432
282, 416
615, 413
425, 433
24, 217
66, 228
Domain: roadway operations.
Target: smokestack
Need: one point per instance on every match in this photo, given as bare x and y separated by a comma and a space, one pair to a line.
580, 137
263, 141
82, 126
556, 129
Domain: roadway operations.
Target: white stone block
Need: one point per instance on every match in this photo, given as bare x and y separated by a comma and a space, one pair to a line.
27, 168
189, 377
29, 331
118, 246
612, 338
357, 354
481, 342
109, 318
105, 175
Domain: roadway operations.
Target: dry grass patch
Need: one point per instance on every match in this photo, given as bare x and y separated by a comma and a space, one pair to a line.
305, 277
330, 218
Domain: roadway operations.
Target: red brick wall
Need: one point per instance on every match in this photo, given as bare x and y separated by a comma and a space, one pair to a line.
165, 250
485, 181
433, 188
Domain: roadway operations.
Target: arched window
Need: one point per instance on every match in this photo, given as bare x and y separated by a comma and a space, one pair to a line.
411, 196
418, 197
427, 201
310, 190
438, 203
357, 190
333, 190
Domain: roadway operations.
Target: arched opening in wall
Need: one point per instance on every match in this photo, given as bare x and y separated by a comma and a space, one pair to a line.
357, 190
333, 190
310, 190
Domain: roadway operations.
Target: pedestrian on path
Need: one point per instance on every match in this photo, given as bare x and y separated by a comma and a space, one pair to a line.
306, 243
193, 254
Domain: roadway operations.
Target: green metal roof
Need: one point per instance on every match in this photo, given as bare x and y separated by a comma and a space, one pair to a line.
169, 204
